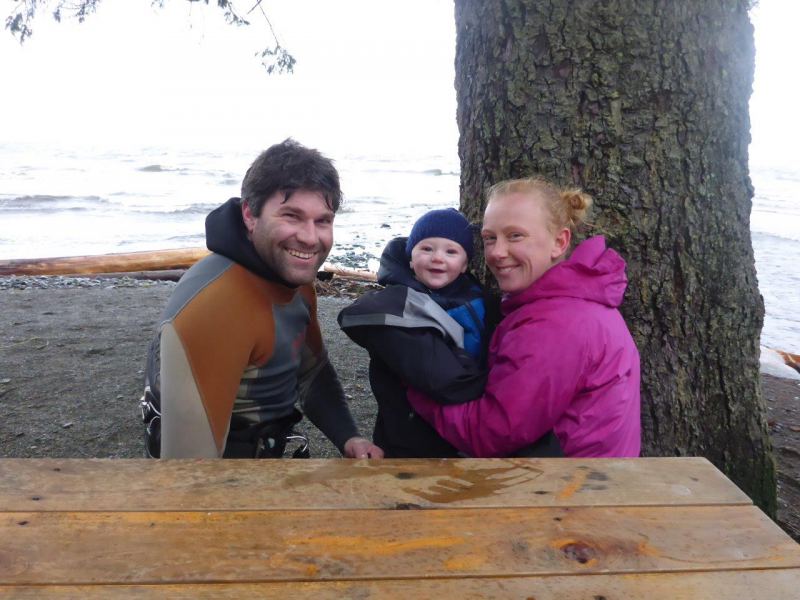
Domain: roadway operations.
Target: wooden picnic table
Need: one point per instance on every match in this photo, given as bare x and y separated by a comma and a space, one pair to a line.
597, 529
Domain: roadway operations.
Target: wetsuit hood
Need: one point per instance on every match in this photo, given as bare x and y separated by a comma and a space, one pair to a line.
226, 234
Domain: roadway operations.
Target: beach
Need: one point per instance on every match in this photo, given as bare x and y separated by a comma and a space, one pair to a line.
71, 374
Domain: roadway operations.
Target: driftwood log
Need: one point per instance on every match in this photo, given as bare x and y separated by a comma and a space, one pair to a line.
350, 273
155, 264
793, 360
156, 260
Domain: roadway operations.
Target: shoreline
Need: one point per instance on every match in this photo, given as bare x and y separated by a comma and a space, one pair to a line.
72, 368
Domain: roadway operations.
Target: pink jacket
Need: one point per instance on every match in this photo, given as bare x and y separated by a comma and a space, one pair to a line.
561, 359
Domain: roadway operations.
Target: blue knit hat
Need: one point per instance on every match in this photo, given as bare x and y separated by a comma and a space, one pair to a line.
445, 223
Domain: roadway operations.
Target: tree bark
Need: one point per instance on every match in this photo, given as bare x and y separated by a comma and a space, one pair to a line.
644, 104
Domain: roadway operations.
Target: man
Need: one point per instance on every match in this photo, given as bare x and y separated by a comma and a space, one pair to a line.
239, 344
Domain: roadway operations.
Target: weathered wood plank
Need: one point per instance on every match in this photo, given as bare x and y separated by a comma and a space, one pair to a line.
777, 584
131, 485
253, 546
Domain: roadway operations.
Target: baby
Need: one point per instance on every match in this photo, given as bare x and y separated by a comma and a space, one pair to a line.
425, 326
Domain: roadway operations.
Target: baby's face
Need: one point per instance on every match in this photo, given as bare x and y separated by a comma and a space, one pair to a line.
437, 261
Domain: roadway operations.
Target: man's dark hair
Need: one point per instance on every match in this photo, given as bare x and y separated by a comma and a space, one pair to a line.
287, 167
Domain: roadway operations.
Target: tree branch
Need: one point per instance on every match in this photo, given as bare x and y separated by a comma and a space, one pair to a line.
19, 24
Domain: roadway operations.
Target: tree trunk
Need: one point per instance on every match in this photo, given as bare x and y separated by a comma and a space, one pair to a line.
644, 104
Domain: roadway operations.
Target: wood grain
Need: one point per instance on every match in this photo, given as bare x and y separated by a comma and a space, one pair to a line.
256, 546
180, 485
776, 584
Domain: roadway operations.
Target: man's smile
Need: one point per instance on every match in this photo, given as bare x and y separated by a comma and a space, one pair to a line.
300, 254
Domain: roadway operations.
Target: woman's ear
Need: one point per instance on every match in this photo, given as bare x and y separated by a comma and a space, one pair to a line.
561, 244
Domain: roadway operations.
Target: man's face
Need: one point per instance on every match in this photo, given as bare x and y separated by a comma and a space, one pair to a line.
294, 237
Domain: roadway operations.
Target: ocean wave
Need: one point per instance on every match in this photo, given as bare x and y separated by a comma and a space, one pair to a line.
775, 237
223, 177
192, 209
187, 238
156, 168
161, 169
178, 241
779, 173
433, 172
776, 207
46, 202
369, 200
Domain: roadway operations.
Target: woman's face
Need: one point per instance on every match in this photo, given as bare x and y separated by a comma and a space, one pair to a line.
518, 245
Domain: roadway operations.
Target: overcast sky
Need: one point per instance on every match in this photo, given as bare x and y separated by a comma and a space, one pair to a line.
371, 75
132, 72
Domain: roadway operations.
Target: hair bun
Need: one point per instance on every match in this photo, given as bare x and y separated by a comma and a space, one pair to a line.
577, 204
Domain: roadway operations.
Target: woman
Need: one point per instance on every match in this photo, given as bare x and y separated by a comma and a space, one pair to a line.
562, 358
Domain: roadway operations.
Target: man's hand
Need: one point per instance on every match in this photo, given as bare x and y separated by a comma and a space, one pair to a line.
358, 447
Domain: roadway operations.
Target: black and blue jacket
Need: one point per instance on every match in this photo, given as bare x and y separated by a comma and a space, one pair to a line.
432, 340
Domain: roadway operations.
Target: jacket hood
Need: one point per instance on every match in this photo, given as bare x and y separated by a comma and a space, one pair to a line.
592, 272
396, 270
226, 234
394, 267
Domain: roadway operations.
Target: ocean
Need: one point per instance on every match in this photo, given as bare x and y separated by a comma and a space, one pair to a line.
73, 200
